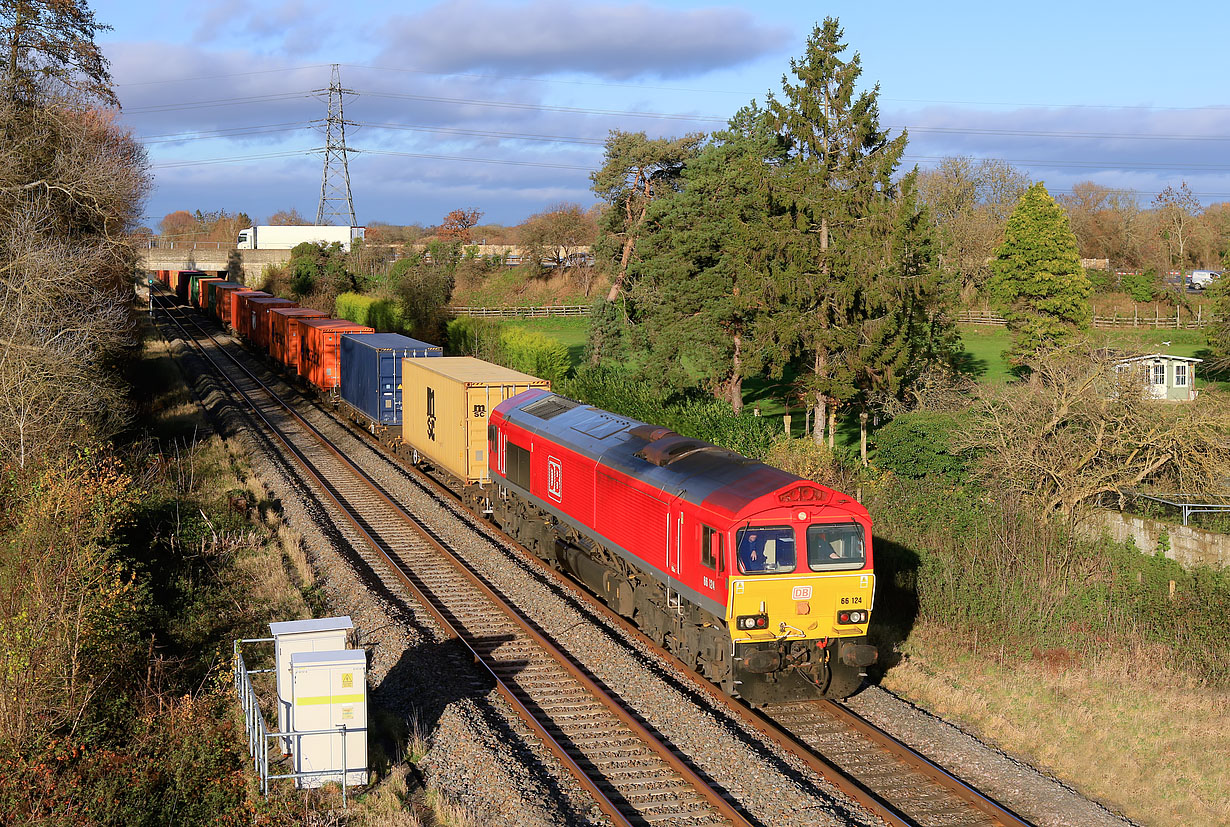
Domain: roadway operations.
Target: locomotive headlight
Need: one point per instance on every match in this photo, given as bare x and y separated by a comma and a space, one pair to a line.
849, 616
749, 622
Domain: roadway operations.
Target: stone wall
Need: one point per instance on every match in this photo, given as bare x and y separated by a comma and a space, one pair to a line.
188, 259
1188, 546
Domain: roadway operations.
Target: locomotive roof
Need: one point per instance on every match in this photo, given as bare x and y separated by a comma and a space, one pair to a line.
703, 474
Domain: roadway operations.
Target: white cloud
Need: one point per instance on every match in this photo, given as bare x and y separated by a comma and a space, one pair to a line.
607, 40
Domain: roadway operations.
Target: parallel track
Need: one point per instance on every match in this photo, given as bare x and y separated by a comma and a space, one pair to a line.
632, 776
898, 784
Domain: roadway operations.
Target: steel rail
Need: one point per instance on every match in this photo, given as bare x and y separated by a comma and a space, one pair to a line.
845, 781
703, 788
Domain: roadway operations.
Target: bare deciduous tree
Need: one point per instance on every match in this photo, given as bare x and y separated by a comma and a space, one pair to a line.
1080, 427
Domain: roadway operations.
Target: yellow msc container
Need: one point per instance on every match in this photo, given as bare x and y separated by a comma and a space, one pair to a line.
445, 404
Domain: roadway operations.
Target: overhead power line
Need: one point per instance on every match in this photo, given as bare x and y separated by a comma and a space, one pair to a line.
503, 161
235, 159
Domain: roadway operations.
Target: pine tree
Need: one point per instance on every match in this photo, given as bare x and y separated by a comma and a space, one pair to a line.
1036, 277
840, 180
906, 325
705, 258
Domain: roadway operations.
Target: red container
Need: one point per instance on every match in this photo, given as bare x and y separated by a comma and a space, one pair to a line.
258, 318
319, 362
238, 319
221, 305
284, 332
242, 322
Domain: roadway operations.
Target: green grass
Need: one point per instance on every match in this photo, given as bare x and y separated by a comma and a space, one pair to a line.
571, 331
984, 347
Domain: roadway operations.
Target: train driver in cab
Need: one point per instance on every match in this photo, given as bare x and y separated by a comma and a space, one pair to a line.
751, 552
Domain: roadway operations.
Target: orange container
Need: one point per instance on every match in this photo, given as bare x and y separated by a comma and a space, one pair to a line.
239, 315
258, 318
318, 350
284, 333
201, 299
243, 322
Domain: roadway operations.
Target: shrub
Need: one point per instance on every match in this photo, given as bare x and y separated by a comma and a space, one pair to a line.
920, 444
534, 353
1100, 280
383, 314
1140, 286
693, 415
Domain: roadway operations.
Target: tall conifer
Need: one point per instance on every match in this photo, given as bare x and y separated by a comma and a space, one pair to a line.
1036, 277
840, 181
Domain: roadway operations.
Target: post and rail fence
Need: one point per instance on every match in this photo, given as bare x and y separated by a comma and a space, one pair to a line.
523, 312
1115, 321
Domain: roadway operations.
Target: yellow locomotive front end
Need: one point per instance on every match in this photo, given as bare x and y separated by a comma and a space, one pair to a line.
800, 600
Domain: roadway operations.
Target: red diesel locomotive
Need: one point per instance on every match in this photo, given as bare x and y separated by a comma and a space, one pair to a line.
759, 579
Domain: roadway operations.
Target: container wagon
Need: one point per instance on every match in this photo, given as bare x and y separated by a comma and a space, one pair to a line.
200, 297
285, 339
238, 308
258, 319
445, 405
216, 298
371, 378
320, 342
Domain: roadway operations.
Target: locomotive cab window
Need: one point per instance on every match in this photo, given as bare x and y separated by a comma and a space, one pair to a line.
712, 548
837, 546
766, 549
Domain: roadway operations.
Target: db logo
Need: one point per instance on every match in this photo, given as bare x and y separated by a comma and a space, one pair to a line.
555, 479
801, 593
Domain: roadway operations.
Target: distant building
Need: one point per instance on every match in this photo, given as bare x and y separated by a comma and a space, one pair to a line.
1165, 377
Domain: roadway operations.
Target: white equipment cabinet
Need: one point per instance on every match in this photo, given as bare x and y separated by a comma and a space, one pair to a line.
329, 691
322, 634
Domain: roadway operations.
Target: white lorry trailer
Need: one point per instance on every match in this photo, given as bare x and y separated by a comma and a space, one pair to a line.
287, 236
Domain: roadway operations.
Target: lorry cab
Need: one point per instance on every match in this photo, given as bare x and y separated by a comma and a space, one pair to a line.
245, 240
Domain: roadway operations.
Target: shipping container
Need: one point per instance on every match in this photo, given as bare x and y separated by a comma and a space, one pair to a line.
239, 309
445, 405
371, 374
195, 290
200, 298
284, 333
216, 297
320, 342
256, 325
183, 282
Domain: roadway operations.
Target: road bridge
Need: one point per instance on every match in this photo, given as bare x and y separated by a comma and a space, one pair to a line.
210, 256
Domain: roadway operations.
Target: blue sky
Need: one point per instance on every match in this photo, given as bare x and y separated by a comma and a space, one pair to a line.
503, 106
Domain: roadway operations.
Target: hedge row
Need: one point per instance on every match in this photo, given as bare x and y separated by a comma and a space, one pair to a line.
383, 314
696, 416
513, 347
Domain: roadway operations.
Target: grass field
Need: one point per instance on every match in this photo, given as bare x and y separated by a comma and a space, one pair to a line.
984, 346
572, 331
1122, 729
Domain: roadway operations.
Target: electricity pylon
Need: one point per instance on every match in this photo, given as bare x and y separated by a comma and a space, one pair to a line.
336, 204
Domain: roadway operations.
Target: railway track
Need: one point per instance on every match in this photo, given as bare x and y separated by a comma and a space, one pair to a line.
889, 779
633, 777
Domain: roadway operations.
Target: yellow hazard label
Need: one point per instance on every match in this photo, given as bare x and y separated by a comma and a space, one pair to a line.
347, 680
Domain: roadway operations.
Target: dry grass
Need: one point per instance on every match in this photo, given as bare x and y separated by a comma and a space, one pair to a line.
1123, 730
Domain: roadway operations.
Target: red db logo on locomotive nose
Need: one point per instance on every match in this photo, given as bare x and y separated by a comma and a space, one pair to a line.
555, 479
801, 593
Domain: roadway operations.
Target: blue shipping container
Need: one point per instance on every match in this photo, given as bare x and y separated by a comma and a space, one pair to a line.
371, 372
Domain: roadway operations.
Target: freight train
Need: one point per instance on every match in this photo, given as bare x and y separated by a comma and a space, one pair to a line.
760, 580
